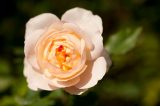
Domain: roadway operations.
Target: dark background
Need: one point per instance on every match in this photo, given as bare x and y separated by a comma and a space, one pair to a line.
134, 78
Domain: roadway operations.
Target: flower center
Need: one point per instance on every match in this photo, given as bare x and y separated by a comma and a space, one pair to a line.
63, 56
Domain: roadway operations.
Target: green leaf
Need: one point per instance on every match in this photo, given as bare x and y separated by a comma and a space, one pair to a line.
123, 41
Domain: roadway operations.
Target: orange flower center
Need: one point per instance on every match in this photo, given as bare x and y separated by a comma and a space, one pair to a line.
61, 54
62, 58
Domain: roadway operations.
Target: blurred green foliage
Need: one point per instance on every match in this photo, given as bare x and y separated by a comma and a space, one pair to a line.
131, 35
123, 41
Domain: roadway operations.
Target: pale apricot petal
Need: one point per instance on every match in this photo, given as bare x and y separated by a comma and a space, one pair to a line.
98, 47
74, 28
29, 48
93, 74
74, 72
42, 21
84, 19
105, 54
35, 27
36, 80
62, 84
75, 91
90, 24
74, 40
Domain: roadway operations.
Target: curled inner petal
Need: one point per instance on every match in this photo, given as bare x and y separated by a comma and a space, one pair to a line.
61, 55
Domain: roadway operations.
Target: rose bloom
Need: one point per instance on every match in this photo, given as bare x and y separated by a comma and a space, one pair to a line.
66, 53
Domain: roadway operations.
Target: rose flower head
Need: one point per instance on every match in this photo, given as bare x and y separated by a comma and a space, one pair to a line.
66, 53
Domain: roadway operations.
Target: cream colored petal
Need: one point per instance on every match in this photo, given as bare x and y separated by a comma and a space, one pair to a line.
40, 22
98, 47
29, 49
93, 74
90, 24
80, 33
75, 91
63, 84
35, 28
84, 19
107, 57
36, 80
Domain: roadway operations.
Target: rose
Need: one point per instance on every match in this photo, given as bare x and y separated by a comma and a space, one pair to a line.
66, 53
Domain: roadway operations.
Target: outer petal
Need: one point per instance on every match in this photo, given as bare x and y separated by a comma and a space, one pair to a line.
98, 46
107, 57
90, 24
84, 19
35, 27
75, 91
41, 21
36, 80
29, 48
93, 74
63, 84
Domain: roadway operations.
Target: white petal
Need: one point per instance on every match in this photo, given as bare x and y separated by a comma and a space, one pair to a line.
75, 91
90, 24
40, 22
93, 74
36, 80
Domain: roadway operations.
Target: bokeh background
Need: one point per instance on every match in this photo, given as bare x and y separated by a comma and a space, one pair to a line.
131, 35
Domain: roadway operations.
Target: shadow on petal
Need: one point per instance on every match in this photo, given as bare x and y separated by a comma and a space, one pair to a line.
93, 74
86, 76
75, 91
